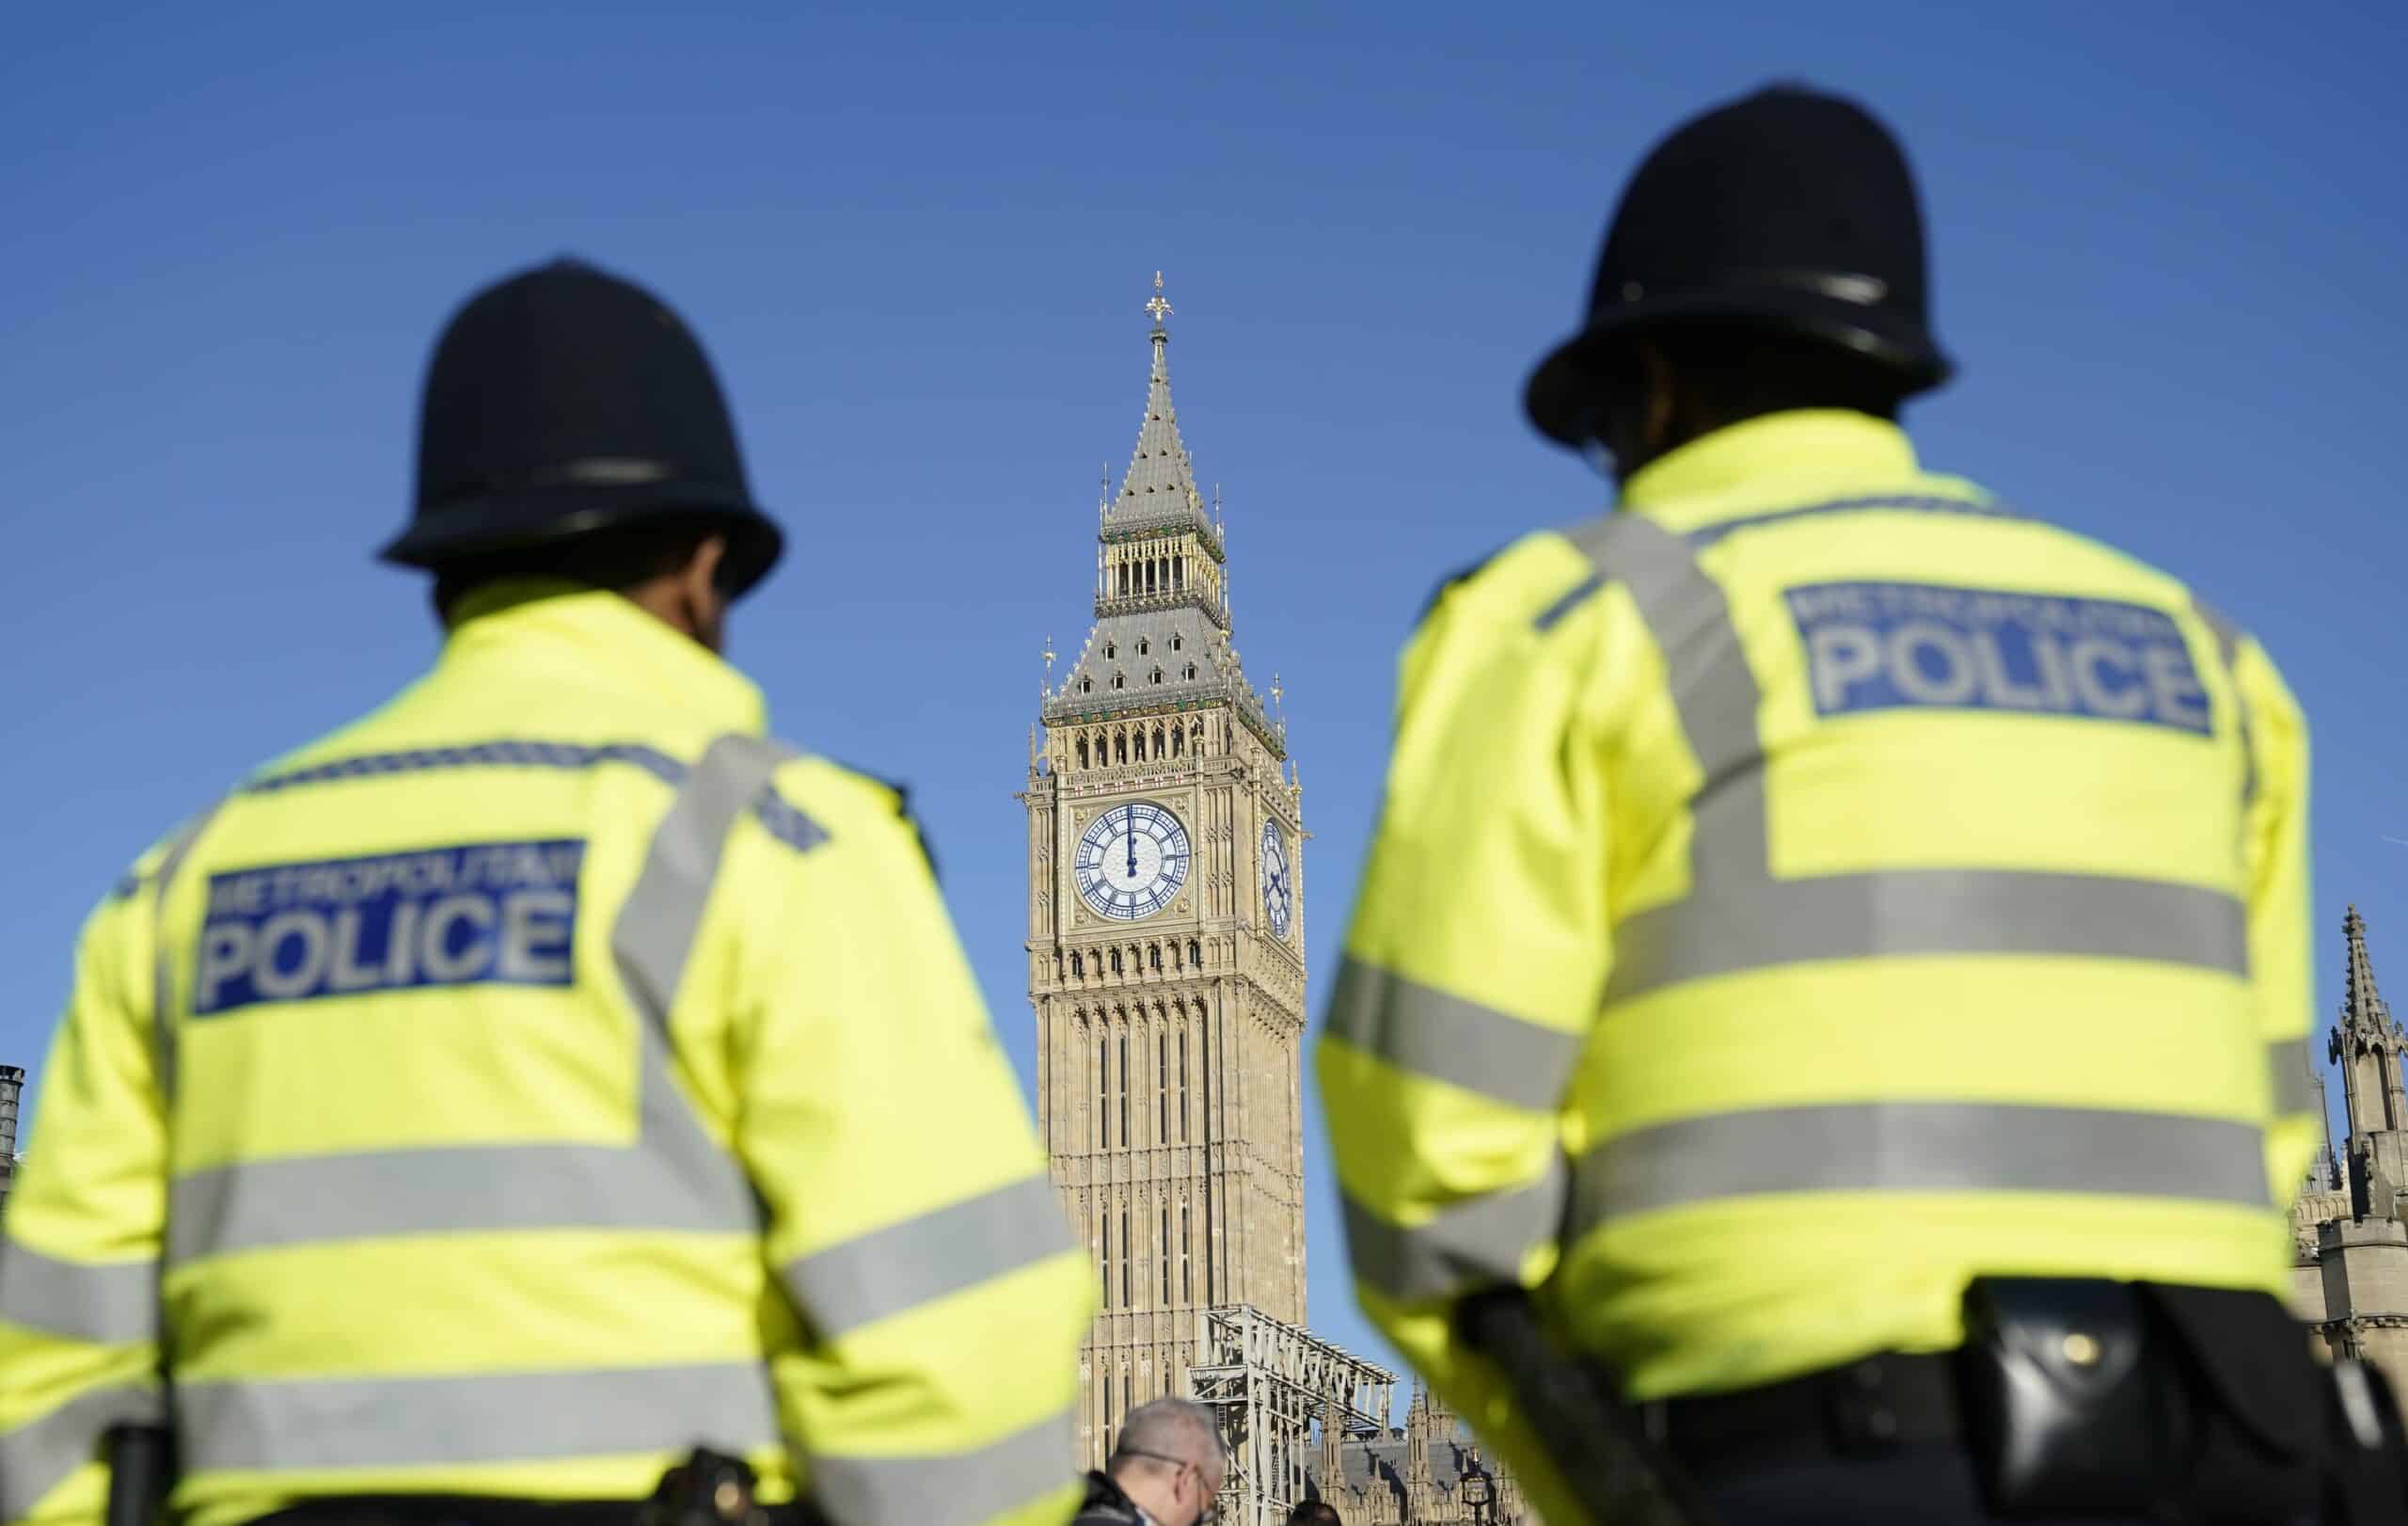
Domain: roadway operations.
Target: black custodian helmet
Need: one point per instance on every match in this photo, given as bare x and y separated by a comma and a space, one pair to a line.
1788, 210
563, 400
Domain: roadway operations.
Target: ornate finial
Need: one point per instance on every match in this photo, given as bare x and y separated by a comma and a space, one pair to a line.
1277, 693
1049, 657
1156, 305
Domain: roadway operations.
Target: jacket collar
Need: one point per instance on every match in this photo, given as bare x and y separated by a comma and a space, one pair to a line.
600, 640
1804, 453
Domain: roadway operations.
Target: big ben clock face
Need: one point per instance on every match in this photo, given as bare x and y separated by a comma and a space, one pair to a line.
1278, 900
1132, 861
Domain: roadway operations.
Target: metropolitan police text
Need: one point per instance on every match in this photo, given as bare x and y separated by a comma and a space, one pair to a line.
503, 912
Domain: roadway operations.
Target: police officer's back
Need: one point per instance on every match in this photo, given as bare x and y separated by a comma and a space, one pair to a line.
547, 1073
1818, 890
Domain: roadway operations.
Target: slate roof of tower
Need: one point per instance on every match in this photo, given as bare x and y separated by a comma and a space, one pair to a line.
1175, 631
1158, 491
1381, 1462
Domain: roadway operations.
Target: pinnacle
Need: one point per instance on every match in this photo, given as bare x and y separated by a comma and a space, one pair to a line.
2363, 1009
1160, 484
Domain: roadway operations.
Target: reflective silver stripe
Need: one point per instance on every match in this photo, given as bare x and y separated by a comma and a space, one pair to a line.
2228, 650
926, 1257
2294, 1063
1479, 1241
670, 1181
109, 1303
1737, 916
655, 926
673, 1177
1713, 689
38, 1455
1750, 926
1920, 1147
163, 973
458, 1419
958, 1488
1430, 1033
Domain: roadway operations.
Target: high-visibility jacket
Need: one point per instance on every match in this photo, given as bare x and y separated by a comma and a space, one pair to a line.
1811, 886
537, 1078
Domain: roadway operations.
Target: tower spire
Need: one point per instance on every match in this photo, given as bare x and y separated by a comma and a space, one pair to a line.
2362, 1006
2368, 1045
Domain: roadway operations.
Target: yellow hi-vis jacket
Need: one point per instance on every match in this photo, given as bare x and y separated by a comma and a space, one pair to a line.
1805, 889
533, 1080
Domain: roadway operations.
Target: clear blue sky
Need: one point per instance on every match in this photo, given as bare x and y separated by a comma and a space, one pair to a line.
2167, 247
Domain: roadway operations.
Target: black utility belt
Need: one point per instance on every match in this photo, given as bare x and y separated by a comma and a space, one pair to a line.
2082, 1397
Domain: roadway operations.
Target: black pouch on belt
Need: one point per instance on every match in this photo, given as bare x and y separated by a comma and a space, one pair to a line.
2099, 1398
2064, 1407
2253, 1447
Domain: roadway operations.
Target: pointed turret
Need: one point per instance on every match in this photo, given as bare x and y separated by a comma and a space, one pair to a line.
1333, 1455
2362, 1006
2366, 1043
1162, 637
1159, 491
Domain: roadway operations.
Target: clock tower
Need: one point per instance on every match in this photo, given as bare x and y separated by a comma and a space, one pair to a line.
1166, 943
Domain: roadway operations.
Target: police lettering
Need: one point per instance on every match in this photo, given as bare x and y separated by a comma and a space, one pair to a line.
1877, 646
480, 913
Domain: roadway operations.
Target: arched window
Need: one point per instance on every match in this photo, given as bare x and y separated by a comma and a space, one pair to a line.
1102, 1090
1083, 751
1137, 746
1179, 572
1120, 744
1086, 686
1078, 964
1178, 733
1124, 1129
1194, 954
1157, 677
1116, 961
1182, 1109
1174, 644
1158, 742
1118, 680
1144, 646
1154, 957
1191, 671
1150, 574
1107, 1259
1162, 1106
1124, 578
1110, 651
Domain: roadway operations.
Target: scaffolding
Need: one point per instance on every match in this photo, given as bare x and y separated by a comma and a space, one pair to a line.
1267, 1382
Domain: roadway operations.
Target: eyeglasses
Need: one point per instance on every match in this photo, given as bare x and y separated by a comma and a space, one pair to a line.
1211, 1512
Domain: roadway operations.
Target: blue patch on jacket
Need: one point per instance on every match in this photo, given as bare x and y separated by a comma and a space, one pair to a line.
1886, 646
479, 913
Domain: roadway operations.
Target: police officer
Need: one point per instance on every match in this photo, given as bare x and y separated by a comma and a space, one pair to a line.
547, 1073
1836, 938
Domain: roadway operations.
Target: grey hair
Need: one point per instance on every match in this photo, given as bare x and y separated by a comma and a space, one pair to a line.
1174, 1427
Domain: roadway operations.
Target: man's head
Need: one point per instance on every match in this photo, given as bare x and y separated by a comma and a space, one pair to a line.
1767, 255
1314, 1513
572, 428
1170, 1461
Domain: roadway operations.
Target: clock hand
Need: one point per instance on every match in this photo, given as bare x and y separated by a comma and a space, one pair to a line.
1133, 845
